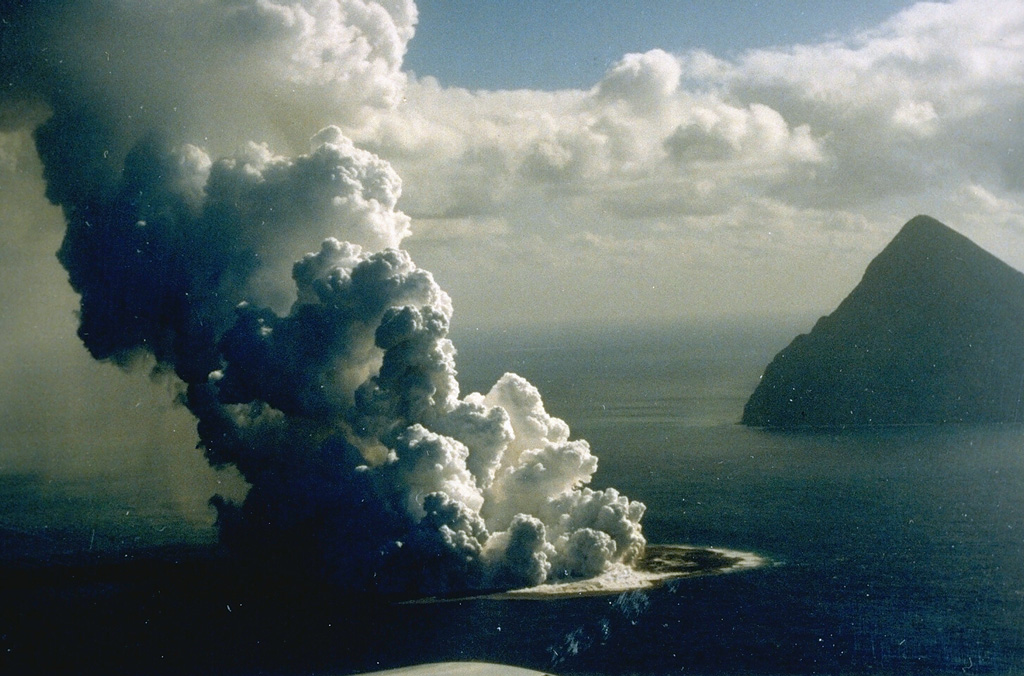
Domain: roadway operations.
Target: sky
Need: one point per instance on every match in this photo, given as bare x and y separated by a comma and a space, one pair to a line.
753, 167
559, 163
589, 162
571, 44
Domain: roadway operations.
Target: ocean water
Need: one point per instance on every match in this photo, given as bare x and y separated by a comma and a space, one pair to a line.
891, 551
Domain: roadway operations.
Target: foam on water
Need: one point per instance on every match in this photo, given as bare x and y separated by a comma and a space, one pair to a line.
661, 563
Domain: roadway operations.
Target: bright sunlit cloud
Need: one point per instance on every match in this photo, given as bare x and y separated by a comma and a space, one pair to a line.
699, 154
687, 168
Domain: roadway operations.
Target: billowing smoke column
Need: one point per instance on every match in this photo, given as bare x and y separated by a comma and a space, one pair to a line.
330, 382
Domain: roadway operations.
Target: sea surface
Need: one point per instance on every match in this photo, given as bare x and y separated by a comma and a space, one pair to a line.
890, 551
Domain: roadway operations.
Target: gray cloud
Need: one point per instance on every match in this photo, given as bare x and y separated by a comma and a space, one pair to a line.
328, 383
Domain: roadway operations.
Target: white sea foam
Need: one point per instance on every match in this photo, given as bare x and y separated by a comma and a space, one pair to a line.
459, 669
660, 564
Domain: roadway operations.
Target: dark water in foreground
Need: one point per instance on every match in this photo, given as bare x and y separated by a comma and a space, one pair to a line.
897, 551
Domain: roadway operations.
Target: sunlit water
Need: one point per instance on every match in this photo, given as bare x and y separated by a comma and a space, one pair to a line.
891, 551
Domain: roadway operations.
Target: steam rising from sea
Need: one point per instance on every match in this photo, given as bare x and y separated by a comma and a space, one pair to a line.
660, 564
312, 350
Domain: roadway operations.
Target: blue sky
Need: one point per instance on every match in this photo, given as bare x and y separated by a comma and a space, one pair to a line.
552, 44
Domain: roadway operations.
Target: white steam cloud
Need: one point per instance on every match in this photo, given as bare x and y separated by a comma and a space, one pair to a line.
330, 383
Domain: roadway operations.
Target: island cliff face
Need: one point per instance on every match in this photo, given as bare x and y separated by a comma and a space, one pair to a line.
934, 333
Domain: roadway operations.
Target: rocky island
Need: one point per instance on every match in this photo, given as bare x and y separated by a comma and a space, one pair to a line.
933, 333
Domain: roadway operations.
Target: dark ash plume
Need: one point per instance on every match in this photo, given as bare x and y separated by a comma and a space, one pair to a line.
329, 383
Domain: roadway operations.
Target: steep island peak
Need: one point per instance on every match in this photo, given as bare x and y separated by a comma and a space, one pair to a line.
933, 333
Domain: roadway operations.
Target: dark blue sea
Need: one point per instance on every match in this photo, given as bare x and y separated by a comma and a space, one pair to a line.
891, 551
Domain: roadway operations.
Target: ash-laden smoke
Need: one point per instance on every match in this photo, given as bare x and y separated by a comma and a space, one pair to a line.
333, 388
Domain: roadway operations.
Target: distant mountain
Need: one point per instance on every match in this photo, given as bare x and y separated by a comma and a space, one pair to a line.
933, 333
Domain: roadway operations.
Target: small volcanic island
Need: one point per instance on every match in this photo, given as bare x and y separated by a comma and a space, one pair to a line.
660, 564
